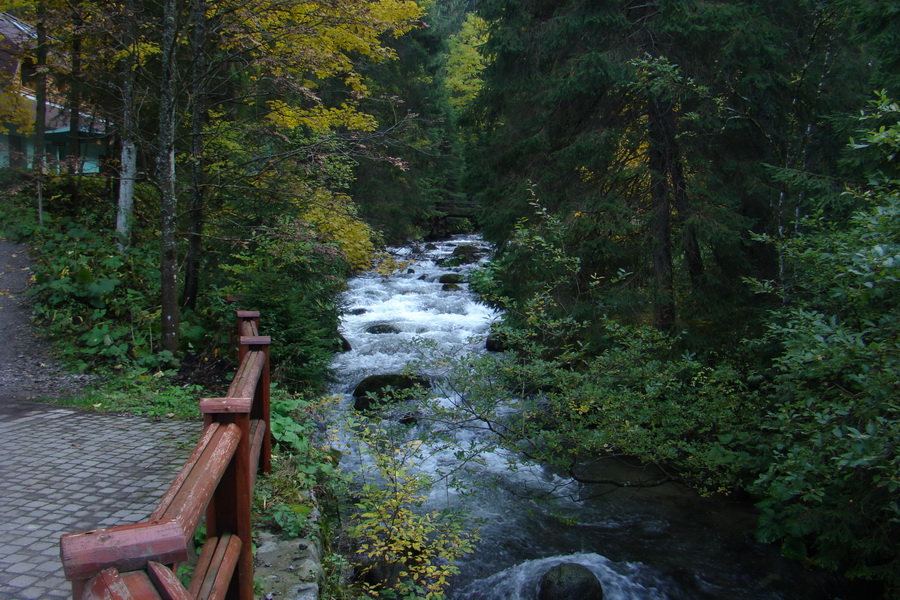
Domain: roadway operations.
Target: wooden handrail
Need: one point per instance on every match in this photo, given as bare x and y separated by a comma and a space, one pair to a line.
129, 561
190, 493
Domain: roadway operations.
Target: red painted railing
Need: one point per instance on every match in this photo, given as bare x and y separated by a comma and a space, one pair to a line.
137, 561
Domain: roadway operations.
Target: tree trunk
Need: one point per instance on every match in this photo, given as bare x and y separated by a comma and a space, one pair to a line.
73, 158
128, 156
128, 168
659, 162
198, 121
40, 117
165, 176
692, 255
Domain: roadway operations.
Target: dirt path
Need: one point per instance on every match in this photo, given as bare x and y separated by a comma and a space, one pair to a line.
27, 370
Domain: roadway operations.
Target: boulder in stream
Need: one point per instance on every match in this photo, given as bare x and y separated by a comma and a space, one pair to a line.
462, 255
467, 254
451, 287
382, 389
570, 581
378, 328
345, 345
496, 342
450, 278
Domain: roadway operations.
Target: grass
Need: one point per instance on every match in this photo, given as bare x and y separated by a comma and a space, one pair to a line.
154, 395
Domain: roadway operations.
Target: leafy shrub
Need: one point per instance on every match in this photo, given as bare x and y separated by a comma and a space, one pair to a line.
832, 492
405, 552
293, 277
302, 464
105, 300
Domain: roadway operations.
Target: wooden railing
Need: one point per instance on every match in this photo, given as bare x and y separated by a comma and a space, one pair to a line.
137, 561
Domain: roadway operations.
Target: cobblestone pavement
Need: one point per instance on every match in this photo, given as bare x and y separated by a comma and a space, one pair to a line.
63, 470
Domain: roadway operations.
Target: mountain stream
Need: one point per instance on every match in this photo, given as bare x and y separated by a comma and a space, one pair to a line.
642, 544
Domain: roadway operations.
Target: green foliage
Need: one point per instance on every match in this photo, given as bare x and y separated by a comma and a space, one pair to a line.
293, 277
102, 303
832, 492
652, 154
406, 552
539, 274
303, 467
554, 399
465, 63
142, 391
334, 216
294, 421
417, 167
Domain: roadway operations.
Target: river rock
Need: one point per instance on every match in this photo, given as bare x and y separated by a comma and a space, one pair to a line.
379, 389
495, 342
345, 345
462, 255
451, 287
382, 328
304, 591
570, 581
450, 278
467, 254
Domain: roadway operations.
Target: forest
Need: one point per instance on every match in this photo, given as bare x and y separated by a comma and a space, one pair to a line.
693, 204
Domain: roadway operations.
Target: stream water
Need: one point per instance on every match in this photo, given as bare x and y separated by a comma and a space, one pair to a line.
657, 543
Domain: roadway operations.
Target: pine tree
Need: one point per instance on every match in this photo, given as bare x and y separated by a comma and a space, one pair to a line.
646, 127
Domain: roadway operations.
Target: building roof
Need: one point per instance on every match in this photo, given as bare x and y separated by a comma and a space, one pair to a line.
16, 39
15, 30
15, 36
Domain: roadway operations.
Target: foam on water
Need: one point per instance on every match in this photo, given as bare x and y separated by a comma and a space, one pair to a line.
620, 581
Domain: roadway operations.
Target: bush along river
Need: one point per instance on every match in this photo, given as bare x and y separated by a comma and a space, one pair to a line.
663, 542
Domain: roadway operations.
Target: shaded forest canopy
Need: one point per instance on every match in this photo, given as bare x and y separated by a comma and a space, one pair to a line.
699, 194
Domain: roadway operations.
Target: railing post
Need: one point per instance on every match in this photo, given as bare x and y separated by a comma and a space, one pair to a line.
244, 318
261, 397
261, 409
229, 510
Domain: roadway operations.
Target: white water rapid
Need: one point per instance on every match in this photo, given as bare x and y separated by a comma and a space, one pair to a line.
663, 543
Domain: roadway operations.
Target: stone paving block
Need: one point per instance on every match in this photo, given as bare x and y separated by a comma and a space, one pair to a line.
49, 567
23, 581
40, 546
74, 484
21, 568
32, 594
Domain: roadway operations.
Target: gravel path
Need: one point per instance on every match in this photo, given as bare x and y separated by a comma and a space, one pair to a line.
27, 371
